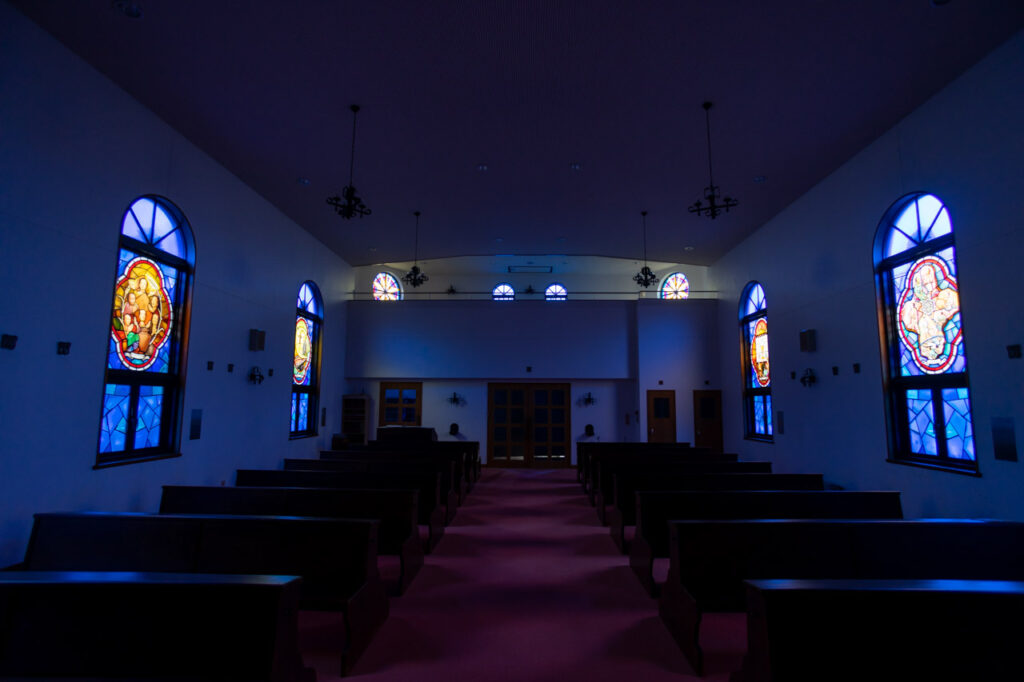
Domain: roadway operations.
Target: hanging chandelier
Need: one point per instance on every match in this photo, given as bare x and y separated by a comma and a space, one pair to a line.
349, 205
415, 277
645, 277
713, 208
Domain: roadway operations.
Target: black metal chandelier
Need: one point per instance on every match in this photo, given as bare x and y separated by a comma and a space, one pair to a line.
713, 208
645, 277
349, 205
415, 277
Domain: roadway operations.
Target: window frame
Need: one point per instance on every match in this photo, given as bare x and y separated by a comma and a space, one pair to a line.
173, 381
313, 388
685, 293
750, 393
894, 384
400, 386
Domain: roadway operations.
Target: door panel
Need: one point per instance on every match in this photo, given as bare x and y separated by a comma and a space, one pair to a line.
707, 420
661, 416
528, 425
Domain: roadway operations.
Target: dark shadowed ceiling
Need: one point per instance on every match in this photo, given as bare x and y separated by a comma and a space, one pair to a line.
529, 88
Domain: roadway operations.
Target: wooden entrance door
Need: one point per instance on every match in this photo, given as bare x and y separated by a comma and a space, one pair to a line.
528, 425
707, 420
661, 416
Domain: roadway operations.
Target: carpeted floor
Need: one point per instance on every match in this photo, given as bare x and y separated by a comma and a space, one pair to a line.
525, 585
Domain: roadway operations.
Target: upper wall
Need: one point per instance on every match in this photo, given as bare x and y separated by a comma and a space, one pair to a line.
966, 146
75, 150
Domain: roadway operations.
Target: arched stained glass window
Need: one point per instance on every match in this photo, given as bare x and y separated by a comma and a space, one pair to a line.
555, 292
503, 292
309, 319
675, 287
757, 380
386, 287
924, 360
144, 376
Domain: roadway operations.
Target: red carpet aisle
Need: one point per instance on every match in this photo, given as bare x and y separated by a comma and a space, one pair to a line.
527, 586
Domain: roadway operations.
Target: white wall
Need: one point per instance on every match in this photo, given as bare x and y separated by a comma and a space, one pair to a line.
965, 145
75, 150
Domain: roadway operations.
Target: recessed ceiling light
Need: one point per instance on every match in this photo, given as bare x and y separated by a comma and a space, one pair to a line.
574, 166
760, 178
302, 181
481, 167
132, 10
688, 248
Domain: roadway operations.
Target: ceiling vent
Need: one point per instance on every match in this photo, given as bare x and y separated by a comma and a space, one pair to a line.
529, 268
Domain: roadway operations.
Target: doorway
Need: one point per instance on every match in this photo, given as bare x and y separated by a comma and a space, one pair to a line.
707, 420
661, 416
528, 425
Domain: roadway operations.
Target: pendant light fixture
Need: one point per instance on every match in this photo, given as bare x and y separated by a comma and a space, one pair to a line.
713, 209
645, 277
415, 277
349, 205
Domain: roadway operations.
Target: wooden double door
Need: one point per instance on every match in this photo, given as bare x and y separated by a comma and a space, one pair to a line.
528, 425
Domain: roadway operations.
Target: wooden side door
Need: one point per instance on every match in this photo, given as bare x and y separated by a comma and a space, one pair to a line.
528, 425
661, 416
707, 420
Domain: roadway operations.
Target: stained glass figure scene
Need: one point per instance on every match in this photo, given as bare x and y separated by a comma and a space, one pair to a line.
142, 320
758, 333
114, 425
386, 287
503, 292
308, 300
675, 287
923, 219
555, 292
928, 316
148, 222
755, 301
303, 351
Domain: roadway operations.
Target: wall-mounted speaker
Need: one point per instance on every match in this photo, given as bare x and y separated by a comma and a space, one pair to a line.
257, 339
808, 340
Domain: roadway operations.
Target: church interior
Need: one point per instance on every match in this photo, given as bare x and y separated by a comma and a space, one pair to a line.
578, 229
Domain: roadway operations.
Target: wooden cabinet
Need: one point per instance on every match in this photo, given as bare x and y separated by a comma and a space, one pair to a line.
355, 418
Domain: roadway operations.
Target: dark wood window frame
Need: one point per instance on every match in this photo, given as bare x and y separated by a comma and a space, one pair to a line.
416, 405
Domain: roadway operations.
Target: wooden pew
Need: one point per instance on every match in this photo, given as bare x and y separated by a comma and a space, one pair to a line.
654, 509
600, 462
449, 465
398, 534
935, 630
336, 558
427, 482
585, 452
711, 559
150, 626
626, 485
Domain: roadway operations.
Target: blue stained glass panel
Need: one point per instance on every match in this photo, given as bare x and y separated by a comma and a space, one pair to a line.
768, 413
759, 426
921, 420
114, 425
147, 428
295, 402
956, 407
303, 411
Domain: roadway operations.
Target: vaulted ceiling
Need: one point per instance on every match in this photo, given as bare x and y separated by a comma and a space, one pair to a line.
583, 112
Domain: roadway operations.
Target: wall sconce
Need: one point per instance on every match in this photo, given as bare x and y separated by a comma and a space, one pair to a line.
255, 376
585, 400
456, 399
808, 379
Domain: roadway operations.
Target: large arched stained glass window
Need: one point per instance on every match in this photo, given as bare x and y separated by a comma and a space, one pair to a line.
675, 287
924, 362
555, 292
757, 378
503, 292
386, 287
145, 374
309, 317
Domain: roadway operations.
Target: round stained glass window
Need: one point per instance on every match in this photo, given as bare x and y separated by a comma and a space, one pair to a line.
675, 287
386, 287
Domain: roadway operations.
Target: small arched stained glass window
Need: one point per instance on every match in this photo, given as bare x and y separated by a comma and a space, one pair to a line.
555, 292
308, 300
503, 292
386, 287
675, 287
